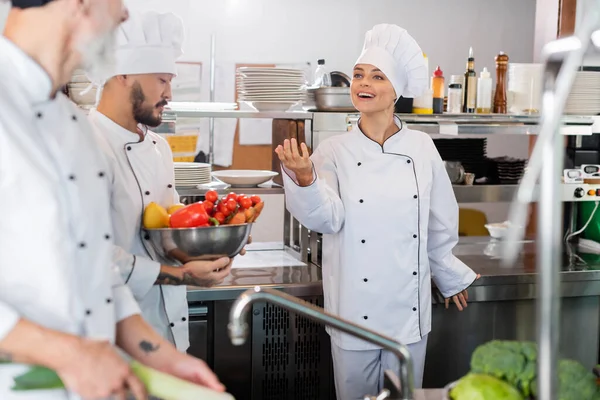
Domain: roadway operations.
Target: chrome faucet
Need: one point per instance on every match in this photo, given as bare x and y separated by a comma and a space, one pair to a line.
395, 389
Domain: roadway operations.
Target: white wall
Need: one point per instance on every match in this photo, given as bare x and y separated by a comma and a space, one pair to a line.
285, 31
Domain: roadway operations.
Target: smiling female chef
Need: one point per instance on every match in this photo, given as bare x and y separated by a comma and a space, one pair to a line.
383, 200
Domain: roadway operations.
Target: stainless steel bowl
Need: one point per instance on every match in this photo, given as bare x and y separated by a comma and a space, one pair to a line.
447, 389
334, 99
178, 246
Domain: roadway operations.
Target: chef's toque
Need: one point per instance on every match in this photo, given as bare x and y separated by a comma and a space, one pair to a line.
147, 43
392, 50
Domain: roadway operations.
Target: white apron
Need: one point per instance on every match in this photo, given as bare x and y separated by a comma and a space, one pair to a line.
390, 221
140, 173
56, 237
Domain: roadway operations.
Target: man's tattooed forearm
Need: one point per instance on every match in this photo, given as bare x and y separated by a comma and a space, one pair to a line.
168, 279
148, 347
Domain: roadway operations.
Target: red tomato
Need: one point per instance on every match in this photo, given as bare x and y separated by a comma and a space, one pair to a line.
239, 198
222, 208
246, 203
219, 216
231, 196
191, 216
255, 200
208, 206
232, 204
211, 196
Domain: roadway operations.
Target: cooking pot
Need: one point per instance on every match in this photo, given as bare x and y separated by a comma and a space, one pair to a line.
455, 171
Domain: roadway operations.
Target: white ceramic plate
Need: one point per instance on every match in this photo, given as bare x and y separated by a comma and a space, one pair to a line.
244, 177
271, 105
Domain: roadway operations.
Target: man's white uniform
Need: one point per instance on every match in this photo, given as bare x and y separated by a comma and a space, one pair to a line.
56, 236
140, 172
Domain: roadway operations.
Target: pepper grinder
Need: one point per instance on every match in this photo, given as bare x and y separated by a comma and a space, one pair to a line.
500, 97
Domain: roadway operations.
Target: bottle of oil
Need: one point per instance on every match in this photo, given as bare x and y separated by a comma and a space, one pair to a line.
470, 91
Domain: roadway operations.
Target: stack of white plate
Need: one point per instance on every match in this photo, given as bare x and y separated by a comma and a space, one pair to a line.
524, 91
271, 89
585, 94
190, 174
78, 84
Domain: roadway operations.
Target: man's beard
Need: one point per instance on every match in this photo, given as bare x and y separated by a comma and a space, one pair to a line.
143, 113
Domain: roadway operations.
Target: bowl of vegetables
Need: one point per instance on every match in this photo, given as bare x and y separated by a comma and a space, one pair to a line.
507, 370
204, 230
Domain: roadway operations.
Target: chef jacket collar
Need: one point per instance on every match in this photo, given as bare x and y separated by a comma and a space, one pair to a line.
389, 141
117, 131
34, 80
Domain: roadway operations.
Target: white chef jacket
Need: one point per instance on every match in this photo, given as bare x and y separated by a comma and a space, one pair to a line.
140, 173
390, 221
56, 237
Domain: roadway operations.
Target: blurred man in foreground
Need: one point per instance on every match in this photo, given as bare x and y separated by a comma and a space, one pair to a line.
62, 303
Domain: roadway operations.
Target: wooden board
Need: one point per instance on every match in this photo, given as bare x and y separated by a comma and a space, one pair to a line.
253, 156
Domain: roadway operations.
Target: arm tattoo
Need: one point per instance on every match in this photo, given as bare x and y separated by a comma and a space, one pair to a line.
148, 347
168, 279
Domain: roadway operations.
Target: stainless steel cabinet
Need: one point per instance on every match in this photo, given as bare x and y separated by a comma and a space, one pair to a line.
200, 333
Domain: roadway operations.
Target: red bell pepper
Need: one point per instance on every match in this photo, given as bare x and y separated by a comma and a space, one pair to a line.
191, 216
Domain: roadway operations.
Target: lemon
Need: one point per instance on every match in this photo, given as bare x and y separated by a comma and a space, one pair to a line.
155, 217
174, 208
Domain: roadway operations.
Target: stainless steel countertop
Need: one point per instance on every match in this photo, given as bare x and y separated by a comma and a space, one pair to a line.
481, 254
429, 394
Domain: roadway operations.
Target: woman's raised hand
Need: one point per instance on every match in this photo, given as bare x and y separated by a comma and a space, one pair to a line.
297, 162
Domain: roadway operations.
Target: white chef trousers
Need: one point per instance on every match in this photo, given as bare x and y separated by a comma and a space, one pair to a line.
360, 373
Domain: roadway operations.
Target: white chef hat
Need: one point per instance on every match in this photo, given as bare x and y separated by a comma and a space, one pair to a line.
392, 50
147, 43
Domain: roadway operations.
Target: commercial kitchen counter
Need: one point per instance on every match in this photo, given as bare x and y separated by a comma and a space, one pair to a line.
291, 356
481, 254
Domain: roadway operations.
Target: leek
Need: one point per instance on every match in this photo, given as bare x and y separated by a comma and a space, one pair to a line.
158, 384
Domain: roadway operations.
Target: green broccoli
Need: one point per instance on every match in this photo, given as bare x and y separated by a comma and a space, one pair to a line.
575, 381
483, 387
511, 361
516, 363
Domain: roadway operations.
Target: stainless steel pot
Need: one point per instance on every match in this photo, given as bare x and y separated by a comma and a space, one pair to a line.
333, 99
455, 171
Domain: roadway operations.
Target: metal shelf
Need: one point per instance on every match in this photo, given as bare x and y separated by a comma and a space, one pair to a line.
485, 193
297, 115
465, 124
259, 190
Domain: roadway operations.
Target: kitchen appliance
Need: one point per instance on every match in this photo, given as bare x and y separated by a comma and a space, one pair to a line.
582, 150
590, 171
573, 176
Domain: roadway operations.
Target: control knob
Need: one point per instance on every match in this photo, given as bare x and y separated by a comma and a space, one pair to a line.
579, 192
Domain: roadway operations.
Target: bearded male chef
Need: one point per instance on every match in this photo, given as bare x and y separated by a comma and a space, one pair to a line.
383, 200
141, 169
62, 302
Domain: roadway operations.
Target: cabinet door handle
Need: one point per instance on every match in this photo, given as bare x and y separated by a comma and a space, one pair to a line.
197, 311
